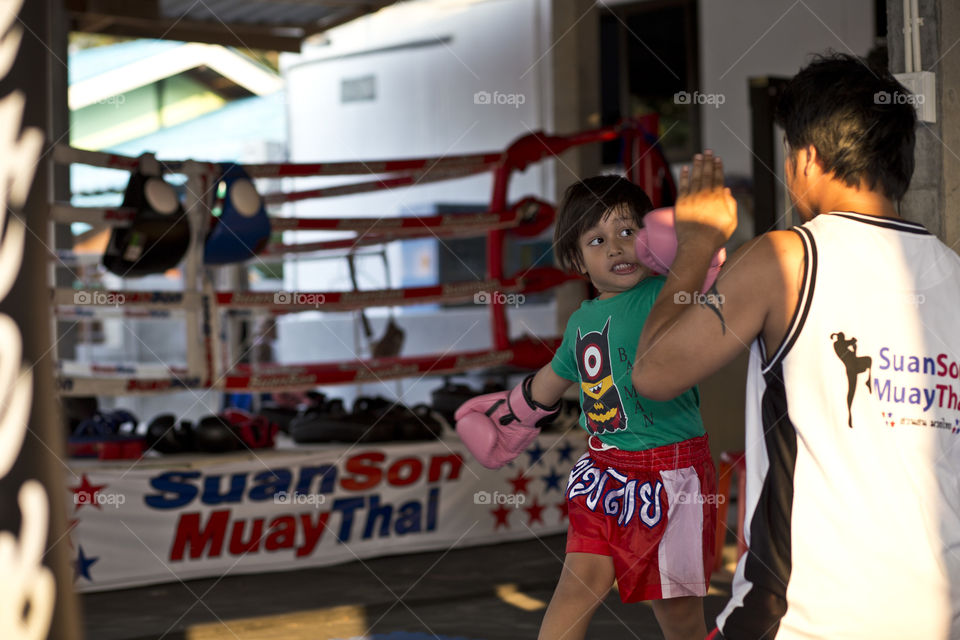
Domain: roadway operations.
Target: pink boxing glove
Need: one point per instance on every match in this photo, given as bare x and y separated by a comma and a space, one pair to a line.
657, 246
497, 427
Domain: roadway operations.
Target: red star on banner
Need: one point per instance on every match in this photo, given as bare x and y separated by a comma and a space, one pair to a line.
536, 512
564, 510
501, 513
86, 493
519, 483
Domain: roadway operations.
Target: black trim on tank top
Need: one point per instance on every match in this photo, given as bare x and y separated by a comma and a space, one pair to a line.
804, 298
769, 561
885, 223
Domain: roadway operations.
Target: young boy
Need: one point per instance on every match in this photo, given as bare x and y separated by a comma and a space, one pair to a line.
636, 498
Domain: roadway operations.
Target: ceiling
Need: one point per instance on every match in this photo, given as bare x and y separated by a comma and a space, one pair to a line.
276, 25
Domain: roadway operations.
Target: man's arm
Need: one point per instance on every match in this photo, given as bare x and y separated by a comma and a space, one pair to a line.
687, 337
684, 342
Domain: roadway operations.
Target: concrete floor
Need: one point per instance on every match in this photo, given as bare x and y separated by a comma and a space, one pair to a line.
496, 592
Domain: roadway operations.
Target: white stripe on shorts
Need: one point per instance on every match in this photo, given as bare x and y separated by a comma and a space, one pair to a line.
681, 549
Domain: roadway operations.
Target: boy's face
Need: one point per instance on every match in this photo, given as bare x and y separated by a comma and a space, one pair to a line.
609, 255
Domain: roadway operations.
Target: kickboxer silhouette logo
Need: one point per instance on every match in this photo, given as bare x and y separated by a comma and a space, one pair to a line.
847, 352
601, 399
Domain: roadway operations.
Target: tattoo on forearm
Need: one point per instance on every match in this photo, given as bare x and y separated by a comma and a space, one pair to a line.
714, 301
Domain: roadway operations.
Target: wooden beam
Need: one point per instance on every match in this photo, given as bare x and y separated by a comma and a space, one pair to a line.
144, 19
341, 17
144, 9
272, 38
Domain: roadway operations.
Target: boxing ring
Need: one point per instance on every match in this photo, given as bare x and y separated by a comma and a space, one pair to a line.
208, 361
195, 515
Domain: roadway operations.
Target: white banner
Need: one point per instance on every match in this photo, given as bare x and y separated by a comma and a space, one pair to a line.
161, 520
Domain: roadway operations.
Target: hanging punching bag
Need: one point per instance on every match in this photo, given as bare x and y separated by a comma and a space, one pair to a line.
159, 235
241, 227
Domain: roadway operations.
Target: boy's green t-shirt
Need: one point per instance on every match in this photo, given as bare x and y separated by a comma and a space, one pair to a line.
599, 345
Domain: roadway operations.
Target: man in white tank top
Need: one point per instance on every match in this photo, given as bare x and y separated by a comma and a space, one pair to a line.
853, 389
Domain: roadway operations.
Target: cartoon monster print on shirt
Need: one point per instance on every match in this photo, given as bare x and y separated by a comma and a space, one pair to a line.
602, 405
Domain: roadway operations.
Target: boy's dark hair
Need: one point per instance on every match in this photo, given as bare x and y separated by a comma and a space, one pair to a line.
588, 202
858, 118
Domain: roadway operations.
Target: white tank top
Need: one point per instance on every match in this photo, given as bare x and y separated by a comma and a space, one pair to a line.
853, 445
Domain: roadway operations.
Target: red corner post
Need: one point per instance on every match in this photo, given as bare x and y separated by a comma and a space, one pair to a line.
523, 152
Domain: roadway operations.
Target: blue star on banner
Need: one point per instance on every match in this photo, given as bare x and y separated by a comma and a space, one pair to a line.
82, 565
552, 480
566, 452
535, 453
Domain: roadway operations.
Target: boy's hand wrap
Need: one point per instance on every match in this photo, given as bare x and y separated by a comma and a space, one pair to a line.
497, 427
657, 246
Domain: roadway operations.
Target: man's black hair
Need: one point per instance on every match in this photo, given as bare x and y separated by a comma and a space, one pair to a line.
587, 203
859, 119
